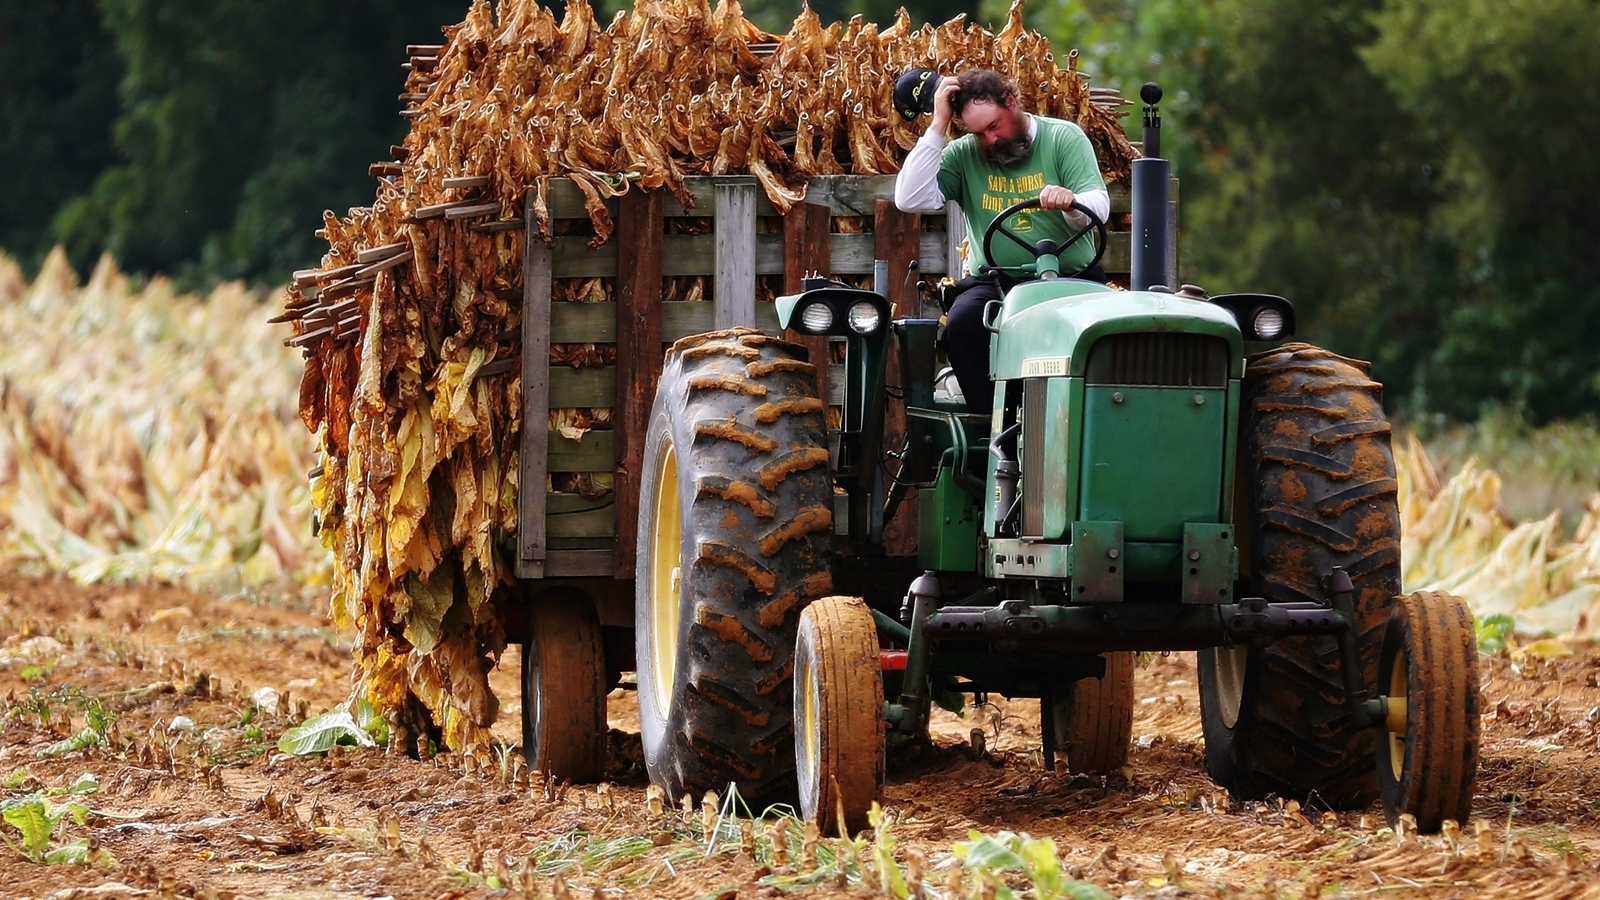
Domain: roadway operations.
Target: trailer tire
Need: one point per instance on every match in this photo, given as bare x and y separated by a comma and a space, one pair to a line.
735, 530
1318, 472
564, 688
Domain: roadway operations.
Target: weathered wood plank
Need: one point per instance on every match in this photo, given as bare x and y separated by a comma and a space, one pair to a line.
734, 287
596, 451
583, 323
843, 195
896, 236
681, 318
805, 243
572, 515
639, 232
682, 254
581, 387
532, 461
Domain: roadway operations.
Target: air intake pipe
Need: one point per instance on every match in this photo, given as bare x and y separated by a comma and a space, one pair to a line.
1151, 176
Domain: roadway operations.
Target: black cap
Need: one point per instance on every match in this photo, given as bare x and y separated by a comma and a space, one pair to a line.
913, 92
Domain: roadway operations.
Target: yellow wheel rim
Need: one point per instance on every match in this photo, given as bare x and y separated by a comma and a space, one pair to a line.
810, 737
665, 577
1398, 712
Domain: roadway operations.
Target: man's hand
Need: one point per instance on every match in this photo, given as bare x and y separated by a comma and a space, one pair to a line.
1054, 196
942, 110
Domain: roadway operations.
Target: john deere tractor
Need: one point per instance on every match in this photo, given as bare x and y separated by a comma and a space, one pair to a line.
1160, 472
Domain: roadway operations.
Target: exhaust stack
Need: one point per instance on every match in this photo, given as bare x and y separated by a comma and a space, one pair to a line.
1151, 177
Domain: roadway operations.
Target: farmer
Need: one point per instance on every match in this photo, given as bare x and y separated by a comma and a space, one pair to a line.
1004, 156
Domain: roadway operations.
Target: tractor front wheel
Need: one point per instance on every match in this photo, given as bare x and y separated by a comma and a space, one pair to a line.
735, 525
1094, 719
1428, 748
838, 714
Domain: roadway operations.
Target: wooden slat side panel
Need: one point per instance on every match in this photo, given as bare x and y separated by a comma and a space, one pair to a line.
533, 448
805, 241
681, 318
682, 254
582, 387
734, 284
897, 240
572, 515
639, 290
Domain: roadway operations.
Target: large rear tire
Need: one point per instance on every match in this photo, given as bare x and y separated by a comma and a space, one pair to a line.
1319, 475
1094, 719
736, 521
1428, 750
838, 714
564, 688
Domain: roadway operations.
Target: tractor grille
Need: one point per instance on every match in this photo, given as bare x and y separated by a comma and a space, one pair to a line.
1159, 358
1033, 457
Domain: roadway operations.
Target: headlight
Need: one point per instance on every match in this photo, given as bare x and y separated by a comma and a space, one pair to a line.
816, 318
864, 317
1267, 322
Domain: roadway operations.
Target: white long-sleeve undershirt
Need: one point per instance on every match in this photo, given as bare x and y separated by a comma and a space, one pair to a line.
916, 188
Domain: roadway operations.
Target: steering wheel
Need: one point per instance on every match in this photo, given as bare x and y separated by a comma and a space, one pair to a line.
1046, 246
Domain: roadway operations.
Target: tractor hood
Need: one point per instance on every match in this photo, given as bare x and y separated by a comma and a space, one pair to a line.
1046, 327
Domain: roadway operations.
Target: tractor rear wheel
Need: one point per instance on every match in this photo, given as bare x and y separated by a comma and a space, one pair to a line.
1094, 719
564, 688
838, 714
1318, 489
735, 526
1428, 749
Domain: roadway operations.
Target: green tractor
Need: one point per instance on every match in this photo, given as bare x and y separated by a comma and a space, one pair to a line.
1160, 473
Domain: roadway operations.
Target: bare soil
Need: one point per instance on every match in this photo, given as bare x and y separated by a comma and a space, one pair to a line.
208, 807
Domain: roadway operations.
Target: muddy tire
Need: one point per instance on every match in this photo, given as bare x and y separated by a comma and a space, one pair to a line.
564, 688
1428, 751
838, 714
1319, 490
1094, 719
735, 525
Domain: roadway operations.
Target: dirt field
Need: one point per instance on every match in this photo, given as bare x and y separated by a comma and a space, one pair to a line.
201, 803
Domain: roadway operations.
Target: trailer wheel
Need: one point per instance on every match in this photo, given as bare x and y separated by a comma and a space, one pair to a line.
1318, 490
1094, 719
564, 688
1428, 748
838, 714
736, 521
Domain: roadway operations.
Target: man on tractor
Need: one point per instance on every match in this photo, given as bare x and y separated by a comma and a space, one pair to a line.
1005, 155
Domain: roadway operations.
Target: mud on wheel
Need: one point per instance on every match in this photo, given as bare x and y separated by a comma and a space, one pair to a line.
1428, 747
838, 714
736, 518
564, 687
1318, 474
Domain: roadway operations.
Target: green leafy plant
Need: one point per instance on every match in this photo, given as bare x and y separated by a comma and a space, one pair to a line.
35, 818
363, 728
96, 728
1493, 632
993, 856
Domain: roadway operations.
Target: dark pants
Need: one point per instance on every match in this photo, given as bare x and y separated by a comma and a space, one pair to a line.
966, 341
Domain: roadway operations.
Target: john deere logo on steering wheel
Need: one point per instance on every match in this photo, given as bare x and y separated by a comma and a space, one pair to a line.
1022, 222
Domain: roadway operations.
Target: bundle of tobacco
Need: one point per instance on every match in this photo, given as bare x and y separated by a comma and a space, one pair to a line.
410, 324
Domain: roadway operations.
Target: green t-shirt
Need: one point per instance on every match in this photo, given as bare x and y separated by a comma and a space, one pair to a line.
1062, 155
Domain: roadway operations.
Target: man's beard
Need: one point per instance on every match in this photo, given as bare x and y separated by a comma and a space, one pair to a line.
1009, 153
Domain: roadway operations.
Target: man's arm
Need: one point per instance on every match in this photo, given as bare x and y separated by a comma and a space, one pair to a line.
916, 188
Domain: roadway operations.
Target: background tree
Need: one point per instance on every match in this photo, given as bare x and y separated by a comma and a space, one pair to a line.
240, 122
59, 96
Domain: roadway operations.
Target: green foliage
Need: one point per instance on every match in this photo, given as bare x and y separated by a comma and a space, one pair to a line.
240, 122
361, 726
61, 72
1493, 632
97, 725
35, 819
991, 857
